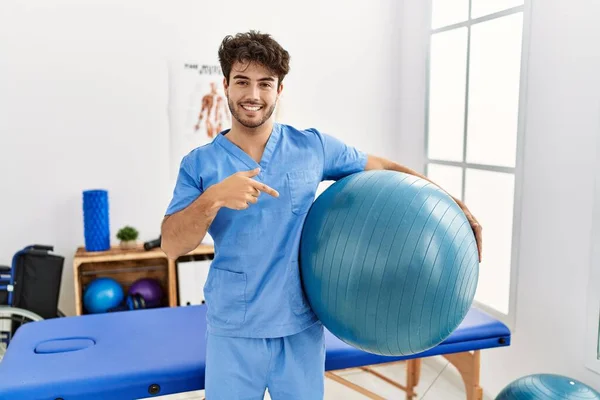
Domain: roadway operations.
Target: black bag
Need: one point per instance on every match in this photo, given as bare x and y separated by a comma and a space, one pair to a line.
37, 276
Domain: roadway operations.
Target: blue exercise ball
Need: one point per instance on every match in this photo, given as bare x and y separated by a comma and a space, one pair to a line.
547, 387
389, 262
102, 294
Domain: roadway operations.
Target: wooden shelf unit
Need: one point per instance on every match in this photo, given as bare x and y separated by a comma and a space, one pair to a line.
128, 265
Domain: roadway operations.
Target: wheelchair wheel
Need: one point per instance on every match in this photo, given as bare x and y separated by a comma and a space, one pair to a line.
11, 318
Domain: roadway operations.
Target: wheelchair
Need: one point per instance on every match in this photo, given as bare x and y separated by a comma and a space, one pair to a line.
10, 319
29, 290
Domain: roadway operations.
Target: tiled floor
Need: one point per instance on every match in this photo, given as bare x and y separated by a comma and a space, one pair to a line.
439, 381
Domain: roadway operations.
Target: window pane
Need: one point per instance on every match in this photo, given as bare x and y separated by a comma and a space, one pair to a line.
479, 8
494, 91
447, 82
448, 12
489, 196
447, 177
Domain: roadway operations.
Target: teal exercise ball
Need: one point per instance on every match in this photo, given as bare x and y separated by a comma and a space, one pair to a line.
102, 294
389, 262
547, 387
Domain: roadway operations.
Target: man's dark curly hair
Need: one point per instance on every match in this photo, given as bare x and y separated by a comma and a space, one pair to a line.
256, 47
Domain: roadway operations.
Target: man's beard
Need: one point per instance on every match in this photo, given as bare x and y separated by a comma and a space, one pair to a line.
248, 124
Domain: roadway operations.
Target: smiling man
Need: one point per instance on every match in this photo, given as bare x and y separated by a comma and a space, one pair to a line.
251, 189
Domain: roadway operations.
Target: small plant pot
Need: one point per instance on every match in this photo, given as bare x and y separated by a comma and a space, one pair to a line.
128, 244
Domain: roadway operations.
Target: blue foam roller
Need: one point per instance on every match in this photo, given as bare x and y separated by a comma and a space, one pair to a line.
96, 220
547, 387
389, 262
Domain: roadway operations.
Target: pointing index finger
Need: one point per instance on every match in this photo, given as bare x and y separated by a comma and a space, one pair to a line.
265, 188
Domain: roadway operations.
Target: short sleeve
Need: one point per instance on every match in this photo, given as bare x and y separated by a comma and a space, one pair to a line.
340, 159
187, 188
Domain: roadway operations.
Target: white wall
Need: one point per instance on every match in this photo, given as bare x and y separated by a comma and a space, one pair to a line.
562, 114
84, 96
412, 86
82, 100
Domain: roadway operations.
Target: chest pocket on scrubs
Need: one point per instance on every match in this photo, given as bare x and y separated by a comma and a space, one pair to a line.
225, 294
303, 186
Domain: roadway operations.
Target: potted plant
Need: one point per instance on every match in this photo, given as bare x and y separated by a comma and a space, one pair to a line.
128, 236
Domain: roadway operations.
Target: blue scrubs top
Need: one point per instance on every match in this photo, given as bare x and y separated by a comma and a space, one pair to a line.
253, 287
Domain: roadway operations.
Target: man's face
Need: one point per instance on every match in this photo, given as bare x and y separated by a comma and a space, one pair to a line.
252, 93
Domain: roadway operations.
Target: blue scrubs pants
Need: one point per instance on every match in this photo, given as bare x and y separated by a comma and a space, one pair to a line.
291, 367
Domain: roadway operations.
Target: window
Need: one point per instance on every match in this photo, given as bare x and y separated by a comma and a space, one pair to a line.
473, 127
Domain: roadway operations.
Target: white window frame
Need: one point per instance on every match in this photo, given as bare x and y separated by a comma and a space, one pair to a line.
510, 318
592, 339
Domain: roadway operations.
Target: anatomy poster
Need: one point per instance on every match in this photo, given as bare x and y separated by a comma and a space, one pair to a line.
198, 108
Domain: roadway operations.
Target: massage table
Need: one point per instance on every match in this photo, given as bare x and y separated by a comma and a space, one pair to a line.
145, 353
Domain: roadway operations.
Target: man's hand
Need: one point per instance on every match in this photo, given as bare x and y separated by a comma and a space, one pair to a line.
239, 190
475, 226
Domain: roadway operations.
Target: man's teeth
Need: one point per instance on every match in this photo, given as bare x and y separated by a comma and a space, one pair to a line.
251, 108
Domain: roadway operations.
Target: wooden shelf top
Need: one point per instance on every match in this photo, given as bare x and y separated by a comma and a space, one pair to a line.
136, 253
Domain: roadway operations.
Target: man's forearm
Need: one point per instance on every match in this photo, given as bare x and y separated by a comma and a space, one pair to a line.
382, 163
183, 231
